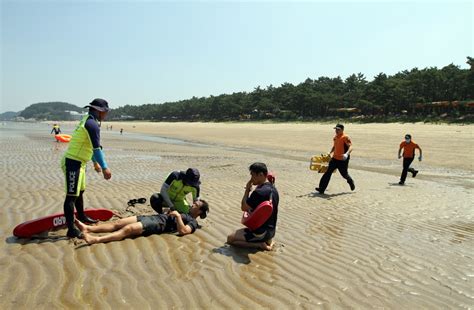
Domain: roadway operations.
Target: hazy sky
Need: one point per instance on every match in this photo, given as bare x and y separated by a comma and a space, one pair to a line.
137, 52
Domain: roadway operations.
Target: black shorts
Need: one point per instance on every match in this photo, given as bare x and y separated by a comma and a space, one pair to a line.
152, 224
252, 237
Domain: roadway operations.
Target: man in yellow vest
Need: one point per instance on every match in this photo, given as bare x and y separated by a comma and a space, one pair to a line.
84, 146
174, 190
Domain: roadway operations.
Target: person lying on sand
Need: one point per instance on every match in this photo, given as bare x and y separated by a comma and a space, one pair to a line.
146, 225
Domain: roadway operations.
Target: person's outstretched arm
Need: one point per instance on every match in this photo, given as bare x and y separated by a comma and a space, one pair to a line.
98, 156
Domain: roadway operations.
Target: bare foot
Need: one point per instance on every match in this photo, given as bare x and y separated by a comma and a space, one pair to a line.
82, 227
268, 245
88, 238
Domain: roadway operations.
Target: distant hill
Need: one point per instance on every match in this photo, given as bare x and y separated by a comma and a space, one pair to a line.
8, 116
58, 111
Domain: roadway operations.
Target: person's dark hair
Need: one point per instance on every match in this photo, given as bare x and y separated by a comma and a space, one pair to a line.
204, 209
258, 168
408, 136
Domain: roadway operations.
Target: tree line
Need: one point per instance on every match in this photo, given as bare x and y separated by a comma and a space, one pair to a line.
413, 95
448, 91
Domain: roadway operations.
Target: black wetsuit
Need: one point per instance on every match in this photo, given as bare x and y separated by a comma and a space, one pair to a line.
73, 168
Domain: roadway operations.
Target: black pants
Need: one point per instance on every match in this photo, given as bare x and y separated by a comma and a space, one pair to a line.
156, 202
342, 166
406, 167
69, 203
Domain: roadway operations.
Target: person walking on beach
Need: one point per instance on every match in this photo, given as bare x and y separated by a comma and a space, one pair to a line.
146, 225
341, 154
121, 130
56, 129
174, 190
84, 146
408, 146
261, 237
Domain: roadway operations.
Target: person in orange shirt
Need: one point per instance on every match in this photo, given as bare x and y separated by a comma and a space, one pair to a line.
408, 147
341, 152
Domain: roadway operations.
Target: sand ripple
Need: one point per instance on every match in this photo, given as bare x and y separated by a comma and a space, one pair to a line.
382, 246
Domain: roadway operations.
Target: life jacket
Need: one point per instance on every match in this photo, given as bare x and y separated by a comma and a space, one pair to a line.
254, 219
80, 146
177, 193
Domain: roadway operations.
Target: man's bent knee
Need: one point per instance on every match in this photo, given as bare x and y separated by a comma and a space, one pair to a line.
231, 238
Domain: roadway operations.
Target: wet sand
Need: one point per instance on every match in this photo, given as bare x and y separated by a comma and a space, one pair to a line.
381, 246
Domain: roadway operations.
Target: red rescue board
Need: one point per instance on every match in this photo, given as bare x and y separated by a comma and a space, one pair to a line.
58, 220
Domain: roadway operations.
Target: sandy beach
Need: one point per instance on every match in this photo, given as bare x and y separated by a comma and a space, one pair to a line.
380, 246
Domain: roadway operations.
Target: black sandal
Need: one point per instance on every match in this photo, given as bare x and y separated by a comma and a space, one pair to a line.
132, 202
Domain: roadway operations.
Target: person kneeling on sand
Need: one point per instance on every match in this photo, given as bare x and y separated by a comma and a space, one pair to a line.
260, 237
146, 225
177, 186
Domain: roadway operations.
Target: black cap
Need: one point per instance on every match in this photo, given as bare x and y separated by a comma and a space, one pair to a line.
192, 177
99, 105
339, 126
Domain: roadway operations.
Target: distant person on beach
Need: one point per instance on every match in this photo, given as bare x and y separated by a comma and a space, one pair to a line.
173, 192
121, 130
56, 129
261, 237
408, 146
84, 146
341, 154
146, 225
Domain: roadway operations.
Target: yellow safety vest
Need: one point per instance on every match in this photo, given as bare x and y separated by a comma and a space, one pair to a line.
177, 193
80, 146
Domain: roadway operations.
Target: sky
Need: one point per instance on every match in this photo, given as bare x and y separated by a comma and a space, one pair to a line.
139, 52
